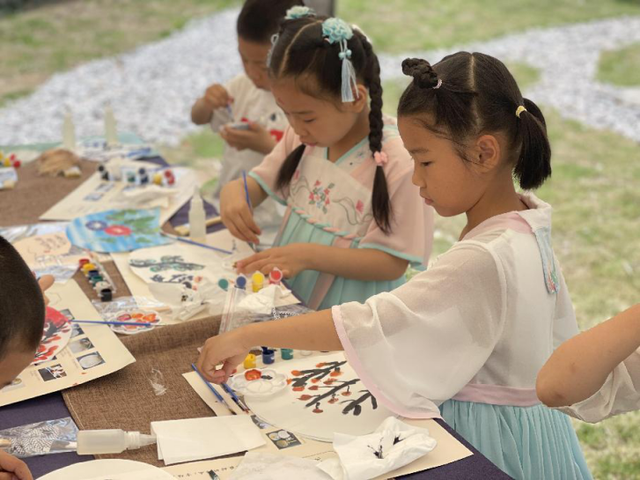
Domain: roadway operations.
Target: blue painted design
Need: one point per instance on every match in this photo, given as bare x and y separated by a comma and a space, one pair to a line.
117, 230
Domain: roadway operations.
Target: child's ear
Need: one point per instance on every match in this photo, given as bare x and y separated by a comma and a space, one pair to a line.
361, 95
487, 152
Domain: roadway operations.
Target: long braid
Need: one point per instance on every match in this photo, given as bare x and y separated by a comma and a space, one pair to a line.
381, 203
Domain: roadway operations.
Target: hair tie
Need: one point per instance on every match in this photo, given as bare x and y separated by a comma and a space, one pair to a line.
338, 31
519, 110
438, 85
274, 40
380, 158
299, 12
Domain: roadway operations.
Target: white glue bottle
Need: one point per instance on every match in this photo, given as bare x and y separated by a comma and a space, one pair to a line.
68, 132
110, 126
95, 442
197, 226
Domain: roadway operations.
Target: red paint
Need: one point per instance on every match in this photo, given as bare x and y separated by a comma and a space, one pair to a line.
253, 374
118, 230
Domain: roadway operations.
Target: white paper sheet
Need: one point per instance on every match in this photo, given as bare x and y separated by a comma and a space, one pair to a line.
94, 195
199, 438
93, 352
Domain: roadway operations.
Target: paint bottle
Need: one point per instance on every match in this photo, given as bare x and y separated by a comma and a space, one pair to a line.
241, 282
68, 132
110, 127
96, 442
257, 281
197, 227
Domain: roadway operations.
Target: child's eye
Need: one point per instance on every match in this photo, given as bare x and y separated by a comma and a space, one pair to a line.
309, 121
425, 164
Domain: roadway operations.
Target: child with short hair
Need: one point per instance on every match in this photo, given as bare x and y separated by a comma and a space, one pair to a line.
354, 221
466, 338
22, 313
596, 374
243, 111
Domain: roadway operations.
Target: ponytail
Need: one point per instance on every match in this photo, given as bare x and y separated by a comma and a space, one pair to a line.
534, 163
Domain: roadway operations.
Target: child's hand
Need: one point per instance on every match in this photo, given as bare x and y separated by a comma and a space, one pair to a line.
12, 468
216, 96
256, 138
45, 282
228, 349
236, 214
291, 259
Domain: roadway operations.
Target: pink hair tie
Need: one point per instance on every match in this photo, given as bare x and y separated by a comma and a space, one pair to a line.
380, 158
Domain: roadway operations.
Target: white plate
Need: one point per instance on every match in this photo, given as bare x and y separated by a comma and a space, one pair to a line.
105, 469
259, 388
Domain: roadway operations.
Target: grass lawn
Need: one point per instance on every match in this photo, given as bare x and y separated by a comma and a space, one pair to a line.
429, 25
597, 208
62, 34
621, 67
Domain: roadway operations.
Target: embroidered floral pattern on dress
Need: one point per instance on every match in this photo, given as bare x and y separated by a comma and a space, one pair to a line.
320, 196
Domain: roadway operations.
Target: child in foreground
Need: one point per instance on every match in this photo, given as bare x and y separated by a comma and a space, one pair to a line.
22, 313
465, 339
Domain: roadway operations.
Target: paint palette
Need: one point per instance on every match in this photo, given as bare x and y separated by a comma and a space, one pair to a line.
258, 382
56, 335
134, 315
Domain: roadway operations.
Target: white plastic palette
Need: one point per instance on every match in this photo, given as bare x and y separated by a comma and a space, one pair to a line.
270, 383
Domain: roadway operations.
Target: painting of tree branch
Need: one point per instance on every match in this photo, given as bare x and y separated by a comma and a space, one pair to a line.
324, 395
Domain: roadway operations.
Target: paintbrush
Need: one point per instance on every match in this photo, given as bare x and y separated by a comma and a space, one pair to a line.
215, 392
233, 395
246, 192
114, 322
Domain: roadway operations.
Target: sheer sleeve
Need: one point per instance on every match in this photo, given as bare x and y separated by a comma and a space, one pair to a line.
417, 346
620, 393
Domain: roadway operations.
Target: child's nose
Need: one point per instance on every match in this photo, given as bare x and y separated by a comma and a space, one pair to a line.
416, 179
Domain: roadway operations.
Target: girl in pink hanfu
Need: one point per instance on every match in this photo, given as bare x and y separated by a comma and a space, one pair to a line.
354, 220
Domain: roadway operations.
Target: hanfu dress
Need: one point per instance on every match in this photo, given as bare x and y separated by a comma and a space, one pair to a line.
329, 203
465, 340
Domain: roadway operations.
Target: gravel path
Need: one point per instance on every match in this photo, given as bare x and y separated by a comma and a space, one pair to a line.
152, 88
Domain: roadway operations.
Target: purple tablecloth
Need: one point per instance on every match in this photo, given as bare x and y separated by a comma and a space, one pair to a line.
52, 406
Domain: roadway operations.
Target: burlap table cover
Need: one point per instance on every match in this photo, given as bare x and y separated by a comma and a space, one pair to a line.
34, 194
126, 399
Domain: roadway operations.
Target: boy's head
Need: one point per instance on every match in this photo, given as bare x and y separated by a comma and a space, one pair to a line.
258, 21
22, 314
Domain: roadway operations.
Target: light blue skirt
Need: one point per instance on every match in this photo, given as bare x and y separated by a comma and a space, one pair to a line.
342, 290
529, 443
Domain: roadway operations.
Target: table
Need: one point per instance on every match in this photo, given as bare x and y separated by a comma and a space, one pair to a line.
52, 406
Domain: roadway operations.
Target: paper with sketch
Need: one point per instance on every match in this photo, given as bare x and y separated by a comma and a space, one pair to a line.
209, 437
96, 195
50, 254
221, 239
93, 351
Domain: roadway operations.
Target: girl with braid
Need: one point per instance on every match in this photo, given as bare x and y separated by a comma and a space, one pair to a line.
354, 220
465, 339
